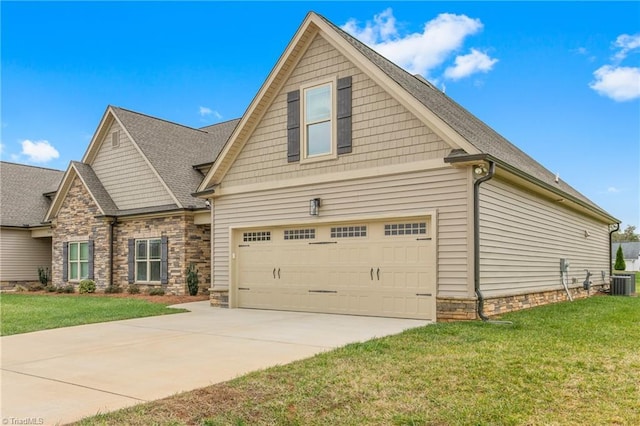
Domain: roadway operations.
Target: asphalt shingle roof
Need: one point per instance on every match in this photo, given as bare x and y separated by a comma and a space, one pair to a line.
96, 188
22, 202
472, 129
174, 149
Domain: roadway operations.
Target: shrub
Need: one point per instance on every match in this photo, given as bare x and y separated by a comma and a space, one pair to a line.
192, 279
66, 289
43, 275
36, 287
87, 286
112, 289
51, 288
156, 292
133, 289
620, 264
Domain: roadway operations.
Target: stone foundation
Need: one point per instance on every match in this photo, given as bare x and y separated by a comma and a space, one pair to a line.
219, 298
12, 285
466, 309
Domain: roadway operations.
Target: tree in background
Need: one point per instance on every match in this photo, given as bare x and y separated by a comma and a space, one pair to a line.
619, 265
628, 235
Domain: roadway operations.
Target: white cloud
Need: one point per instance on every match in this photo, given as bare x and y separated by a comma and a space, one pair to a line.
618, 83
465, 65
626, 43
613, 190
204, 111
39, 151
420, 52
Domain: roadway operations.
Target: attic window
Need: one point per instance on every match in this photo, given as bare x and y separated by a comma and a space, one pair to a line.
115, 139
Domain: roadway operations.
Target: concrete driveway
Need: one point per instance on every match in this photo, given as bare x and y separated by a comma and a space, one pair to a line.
58, 376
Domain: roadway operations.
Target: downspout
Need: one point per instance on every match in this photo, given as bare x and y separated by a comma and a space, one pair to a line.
617, 225
112, 225
476, 238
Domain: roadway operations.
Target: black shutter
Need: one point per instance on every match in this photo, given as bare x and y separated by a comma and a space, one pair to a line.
90, 250
65, 262
293, 126
344, 115
164, 260
131, 260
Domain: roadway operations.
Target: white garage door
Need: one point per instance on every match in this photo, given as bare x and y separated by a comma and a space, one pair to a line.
373, 268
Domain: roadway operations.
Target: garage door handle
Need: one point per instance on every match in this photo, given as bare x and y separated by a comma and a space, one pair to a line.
378, 274
371, 273
278, 273
274, 273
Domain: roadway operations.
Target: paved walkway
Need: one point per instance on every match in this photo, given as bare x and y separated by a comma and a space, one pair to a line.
58, 376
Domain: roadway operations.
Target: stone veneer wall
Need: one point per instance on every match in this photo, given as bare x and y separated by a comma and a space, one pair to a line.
465, 309
187, 243
76, 221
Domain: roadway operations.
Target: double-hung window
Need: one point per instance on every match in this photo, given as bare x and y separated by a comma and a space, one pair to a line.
148, 260
318, 121
78, 258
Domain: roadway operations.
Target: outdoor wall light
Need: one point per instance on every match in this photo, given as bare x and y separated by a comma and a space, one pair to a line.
480, 170
314, 207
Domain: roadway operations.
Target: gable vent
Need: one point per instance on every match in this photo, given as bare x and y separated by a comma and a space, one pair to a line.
115, 139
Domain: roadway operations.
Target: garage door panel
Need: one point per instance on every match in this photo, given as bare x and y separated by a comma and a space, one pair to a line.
362, 268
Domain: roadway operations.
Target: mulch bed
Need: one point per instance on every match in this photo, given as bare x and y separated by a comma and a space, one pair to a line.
167, 299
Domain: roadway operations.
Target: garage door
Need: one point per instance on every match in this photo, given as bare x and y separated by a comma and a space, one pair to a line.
382, 268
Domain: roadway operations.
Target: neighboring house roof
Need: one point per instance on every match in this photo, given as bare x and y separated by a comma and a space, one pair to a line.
629, 250
22, 202
466, 133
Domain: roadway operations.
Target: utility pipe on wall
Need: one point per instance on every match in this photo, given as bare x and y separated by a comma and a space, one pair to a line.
476, 238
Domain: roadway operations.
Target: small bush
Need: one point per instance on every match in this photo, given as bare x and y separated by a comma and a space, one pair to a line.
87, 286
66, 289
51, 288
620, 264
36, 287
156, 292
44, 276
112, 289
192, 279
133, 289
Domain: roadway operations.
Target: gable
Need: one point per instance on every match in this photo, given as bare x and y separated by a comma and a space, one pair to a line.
124, 173
384, 132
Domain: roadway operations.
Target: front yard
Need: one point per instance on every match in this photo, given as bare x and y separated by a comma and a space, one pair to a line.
24, 313
573, 363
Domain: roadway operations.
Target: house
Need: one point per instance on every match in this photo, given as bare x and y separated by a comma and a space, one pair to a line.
351, 186
25, 242
125, 214
630, 253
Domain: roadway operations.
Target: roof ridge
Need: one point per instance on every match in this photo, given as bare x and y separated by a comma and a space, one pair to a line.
156, 118
32, 166
222, 122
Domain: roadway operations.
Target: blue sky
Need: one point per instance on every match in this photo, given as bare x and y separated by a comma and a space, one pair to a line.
559, 80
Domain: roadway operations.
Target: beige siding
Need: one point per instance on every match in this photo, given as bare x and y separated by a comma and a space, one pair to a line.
21, 255
523, 237
126, 176
384, 132
443, 190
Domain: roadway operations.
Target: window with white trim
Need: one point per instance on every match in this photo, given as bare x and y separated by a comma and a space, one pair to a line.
415, 228
78, 258
148, 259
318, 121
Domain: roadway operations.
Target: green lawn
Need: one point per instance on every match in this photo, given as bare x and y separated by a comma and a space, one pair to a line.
23, 313
573, 363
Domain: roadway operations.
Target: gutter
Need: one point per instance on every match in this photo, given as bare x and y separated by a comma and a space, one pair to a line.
476, 238
112, 224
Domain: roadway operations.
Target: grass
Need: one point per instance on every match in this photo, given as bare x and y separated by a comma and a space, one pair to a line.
571, 363
24, 313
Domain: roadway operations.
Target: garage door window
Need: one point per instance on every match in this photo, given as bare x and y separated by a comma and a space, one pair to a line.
418, 228
256, 236
299, 234
348, 231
